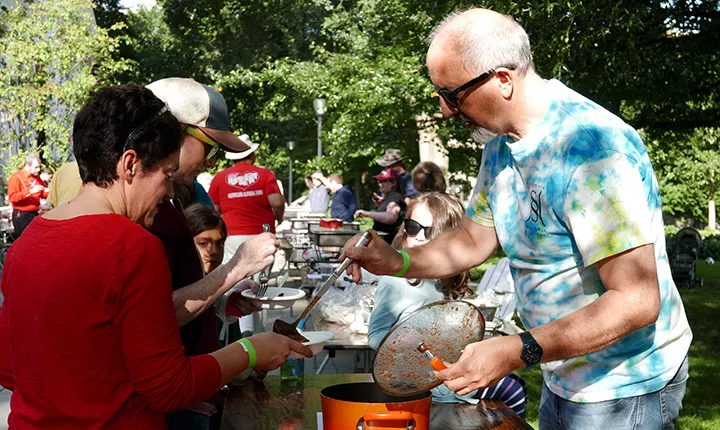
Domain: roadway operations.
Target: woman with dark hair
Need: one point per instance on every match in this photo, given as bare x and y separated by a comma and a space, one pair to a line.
390, 214
428, 177
88, 333
428, 216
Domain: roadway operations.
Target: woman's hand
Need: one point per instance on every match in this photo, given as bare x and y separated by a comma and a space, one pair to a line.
377, 199
272, 349
360, 213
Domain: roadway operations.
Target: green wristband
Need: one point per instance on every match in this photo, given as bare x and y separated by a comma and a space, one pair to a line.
406, 263
250, 349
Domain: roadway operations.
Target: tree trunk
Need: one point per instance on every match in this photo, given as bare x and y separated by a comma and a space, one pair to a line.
711, 201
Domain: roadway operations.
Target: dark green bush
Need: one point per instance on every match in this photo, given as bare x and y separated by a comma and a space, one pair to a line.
710, 248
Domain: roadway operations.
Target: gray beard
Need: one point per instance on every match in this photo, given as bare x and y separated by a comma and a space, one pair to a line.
478, 133
482, 135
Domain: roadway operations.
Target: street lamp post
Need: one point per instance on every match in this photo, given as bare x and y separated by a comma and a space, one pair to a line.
320, 106
291, 148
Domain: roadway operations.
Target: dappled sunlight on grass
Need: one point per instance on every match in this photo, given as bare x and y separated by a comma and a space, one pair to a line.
701, 406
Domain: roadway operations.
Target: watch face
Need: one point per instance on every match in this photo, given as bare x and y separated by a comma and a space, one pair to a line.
532, 353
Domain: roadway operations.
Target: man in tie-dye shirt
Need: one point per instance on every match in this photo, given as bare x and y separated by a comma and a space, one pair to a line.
567, 190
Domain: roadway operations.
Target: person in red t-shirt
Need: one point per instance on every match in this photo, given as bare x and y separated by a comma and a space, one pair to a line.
25, 189
247, 196
89, 336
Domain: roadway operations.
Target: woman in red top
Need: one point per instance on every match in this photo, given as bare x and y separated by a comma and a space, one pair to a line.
88, 333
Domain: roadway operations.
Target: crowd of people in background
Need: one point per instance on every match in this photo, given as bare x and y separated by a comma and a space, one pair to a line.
246, 194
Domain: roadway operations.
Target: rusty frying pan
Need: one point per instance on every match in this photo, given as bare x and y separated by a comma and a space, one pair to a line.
443, 328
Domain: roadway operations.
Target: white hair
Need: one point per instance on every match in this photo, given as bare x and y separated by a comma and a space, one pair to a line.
30, 157
483, 46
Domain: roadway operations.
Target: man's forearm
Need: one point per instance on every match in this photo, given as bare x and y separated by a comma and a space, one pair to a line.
590, 329
631, 302
452, 252
194, 299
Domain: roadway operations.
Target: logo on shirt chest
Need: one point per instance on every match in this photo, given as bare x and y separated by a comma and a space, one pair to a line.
242, 181
536, 207
535, 227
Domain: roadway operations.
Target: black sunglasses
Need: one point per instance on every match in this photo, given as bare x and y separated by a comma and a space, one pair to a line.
451, 97
412, 228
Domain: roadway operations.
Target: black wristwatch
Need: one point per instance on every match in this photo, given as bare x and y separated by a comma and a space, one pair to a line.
532, 352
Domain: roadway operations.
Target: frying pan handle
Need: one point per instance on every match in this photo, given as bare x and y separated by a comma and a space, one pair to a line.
388, 416
437, 364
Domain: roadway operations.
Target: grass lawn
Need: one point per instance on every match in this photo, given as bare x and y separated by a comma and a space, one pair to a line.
701, 405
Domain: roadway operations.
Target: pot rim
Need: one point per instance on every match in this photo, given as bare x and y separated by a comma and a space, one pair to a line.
400, 399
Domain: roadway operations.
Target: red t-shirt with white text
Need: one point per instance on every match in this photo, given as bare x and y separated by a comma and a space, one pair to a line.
241, 192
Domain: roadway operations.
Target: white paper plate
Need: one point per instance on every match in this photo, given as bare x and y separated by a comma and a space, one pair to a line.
316, 342
272, 298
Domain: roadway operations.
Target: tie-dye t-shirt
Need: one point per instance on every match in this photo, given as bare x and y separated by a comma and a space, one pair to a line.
577, 189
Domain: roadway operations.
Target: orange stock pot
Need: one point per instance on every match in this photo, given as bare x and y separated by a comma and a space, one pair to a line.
363, 406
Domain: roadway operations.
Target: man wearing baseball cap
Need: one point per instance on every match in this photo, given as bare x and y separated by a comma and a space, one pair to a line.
205, 122
392, 158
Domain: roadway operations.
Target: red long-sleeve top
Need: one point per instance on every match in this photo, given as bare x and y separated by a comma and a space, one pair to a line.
19, 186
88, 333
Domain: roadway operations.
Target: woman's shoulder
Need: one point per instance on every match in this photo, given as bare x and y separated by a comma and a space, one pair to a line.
407, 286
392, 281
109, 231
115, 228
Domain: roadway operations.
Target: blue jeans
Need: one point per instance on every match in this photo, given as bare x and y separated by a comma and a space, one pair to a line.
652, 411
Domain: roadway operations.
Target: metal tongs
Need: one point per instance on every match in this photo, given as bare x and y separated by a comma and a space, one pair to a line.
290, 330
265, 274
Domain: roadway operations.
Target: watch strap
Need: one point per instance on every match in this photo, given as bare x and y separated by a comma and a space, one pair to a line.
532, 352
526, 337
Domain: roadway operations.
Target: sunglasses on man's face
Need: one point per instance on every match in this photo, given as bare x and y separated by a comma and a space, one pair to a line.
451, 97
199, 135
413, 228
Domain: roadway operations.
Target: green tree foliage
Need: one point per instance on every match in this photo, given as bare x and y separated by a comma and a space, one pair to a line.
640, 59
654, 63
53, 56
223, 35
156, 52
366, 60
683, 162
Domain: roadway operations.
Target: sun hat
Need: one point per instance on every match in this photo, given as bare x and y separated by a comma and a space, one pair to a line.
201, 106
240, 155
390, 157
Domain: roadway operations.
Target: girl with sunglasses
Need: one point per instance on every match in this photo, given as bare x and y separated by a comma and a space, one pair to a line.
428, 216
